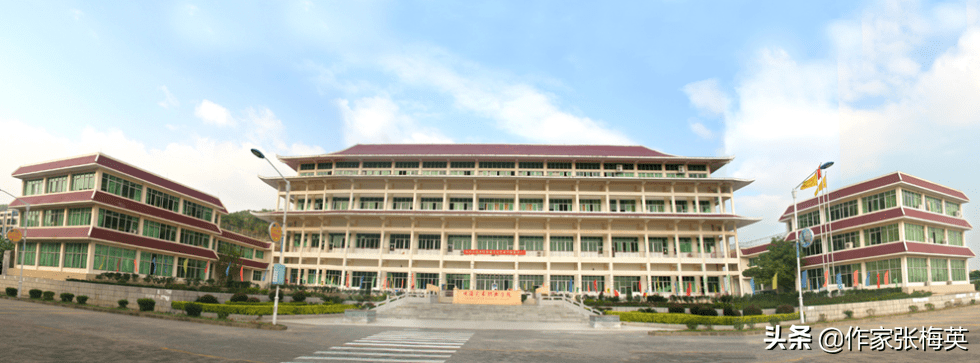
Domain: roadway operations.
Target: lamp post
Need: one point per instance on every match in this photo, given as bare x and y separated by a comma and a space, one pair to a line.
282, 240
796, 231
23, 246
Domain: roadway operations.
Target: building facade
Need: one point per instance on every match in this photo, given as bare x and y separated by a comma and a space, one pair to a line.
9, 218
895, 230
93, 214
571, 218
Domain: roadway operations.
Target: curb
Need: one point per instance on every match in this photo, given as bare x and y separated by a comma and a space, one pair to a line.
155, 315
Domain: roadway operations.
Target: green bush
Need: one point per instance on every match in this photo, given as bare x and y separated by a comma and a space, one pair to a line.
785, 309
656, 299
675, 309
223, 315
704, 310
299, 296
48, 295
849, 313
35, 293
81, 299
266, 309
193, 309
239, 297
913, 308
11, 291
752, 310
146, 304
930, 306
272, 296
253, 300
738, 324
774, 320
67, 297
692, 325
675, 318
122, 303
207, 299
729, 311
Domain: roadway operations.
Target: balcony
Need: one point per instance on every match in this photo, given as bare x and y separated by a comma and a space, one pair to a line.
427, 252
398, 251
626, 254
365, 251
594, 254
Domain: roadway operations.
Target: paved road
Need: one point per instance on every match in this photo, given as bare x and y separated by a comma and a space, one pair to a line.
34, 332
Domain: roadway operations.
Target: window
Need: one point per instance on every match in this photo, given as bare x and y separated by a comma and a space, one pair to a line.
561, 283
27, 253
76, 255
431, 204
32, 219
195, 239
593, 283
915, 232
318, 204
625, 244
559, 165
685, 244
433, 164
591, 244
658, 245
590, 205
459, 243
940, 272
911, 199
197, 211
704, 206
560, 205
649, 167
816, 248
532, 204
879, 235
616, 166
814, 279
936, 235
57, 184
348, 164
955, 238
33, 187
117, 221
400, 242
50, 255
843, 210
337, 240
460, 204
190, 269
530, 282
377, 165
681, 206
934, 205
672, 167
878, 201
83, 181
156, 264
259, 255
458, 281
496, 204
808, 219
530, 165
753, 261
407, 164
587, 166
698, 175
959, 269
655, 206
918, 270
123, 188
876, 270
840, 241
430, 242
401, 203
532, 243
310, 166
952, 209
54, 217
423, 280
697, 167
463, 165
163, 200
562, 243
372, 203
368, 240
495, 242
114, 259
340, 204
324, 165
159, 230
625, 205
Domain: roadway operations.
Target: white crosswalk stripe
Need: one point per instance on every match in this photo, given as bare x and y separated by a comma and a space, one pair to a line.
395, 346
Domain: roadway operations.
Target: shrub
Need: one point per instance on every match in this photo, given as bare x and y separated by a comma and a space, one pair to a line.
871, 312
122, 303
67, 297
35, 293
849, 313
207, 299
81, 299
369, 306
930, 306
272, 296
704, 310
729, 311
146, 304
11, 291
972, 301
752, 310
253, 300
48, 295
709, 327
692, 325
948, 304
656, 299
774, 320
265, 309
913, 308
299, 296
675, 308
785, 309
223, 315
193, 309
823, 318
239, 297
738, 325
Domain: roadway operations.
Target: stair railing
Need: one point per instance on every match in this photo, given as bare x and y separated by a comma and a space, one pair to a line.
569, 300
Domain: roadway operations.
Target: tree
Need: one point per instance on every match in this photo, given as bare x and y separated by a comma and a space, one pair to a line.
243, 222
781, 259
228, 264
974, 275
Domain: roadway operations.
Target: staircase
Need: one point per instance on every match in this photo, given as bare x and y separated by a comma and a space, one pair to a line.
535, 313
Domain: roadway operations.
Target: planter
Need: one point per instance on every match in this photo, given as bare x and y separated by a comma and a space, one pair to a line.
605, 321
360, 316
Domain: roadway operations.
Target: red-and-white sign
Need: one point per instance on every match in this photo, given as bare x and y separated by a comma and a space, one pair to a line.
495, 252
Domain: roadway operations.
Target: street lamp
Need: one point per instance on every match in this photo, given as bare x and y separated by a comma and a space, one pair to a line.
282, 240
796, 230
23, 246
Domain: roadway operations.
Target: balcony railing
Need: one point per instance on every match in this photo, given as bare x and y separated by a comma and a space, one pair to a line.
427, 252
398, 251
562, 253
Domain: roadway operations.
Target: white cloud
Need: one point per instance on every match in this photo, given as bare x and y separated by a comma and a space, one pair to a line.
379, 120
213, 113
707, 97
170, 100
698, 128
77, 14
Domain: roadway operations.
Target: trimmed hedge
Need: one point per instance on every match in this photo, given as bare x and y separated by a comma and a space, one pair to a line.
250, 309
239, 297
207, 299
11, 291
48, 295
67, 297
146, 304
81, 299
672, 318
35, 293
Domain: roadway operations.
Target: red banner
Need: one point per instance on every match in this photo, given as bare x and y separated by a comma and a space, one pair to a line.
495, 252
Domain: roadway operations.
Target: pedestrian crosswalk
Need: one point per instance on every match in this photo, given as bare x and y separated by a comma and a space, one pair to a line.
395, 346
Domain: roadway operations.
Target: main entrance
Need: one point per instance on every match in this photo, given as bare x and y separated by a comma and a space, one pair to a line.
494, 282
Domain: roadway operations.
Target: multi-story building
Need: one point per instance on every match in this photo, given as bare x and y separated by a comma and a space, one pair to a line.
9, 218
895, 230
572, 218
93, 214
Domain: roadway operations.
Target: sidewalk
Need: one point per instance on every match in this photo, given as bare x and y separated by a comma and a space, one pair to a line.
454, 324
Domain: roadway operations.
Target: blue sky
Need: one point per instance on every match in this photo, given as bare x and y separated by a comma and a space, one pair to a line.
184, 88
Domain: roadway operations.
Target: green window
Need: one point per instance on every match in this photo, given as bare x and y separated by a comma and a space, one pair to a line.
431, 204
816, 248
83, 181
704, 206
911, 199
156, 264
878, 201
191, 269
297, 240
655, 206
430, 241
259, 255
121, 187
591, 244
33, 187
197, 211
563, 283
340, 204
959, 269
649, 167
940, 272
952, 209
561, 205
27, 253
348, 164
159, 230
54, 217
877, 270
562, 243
530, 282
31, 219
400, 241
915, 232
658, 245
163, 200
593, 283
554, 165
337, 240
401, 203
808, 219
324, 165
460, 243
879, 235
50, 253
460, 204
532, 243
372, 203
530, 165
496, 204
840, 241
462, 164
624, 205
79, 216
459, 281
192, 238
918, 269
843, 210
496, 165
433, 164
625, 244
532, 204
309, 166
117, 221
57, 184
681, 206
697, 167
936, 235
955, 238
590, 205
934, 205
368, 240
587, 166
685, 245
114, 259
76, 255
407, 164
494, 242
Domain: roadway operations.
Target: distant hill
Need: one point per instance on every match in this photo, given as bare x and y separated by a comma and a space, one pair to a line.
244, 223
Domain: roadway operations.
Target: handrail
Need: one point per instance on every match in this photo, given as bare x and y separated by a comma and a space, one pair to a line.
573, 302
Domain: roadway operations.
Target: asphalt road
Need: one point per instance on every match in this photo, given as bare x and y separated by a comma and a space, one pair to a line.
41, 333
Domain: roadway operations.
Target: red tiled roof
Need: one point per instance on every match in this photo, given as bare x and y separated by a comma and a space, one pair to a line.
58, 164
36, 200
856, 253
149, 177
936, 217
845, 192
140, 241
163, 214
755, 249
940, 249
933, 186
500, 149
57, 232
253, 264
243, 239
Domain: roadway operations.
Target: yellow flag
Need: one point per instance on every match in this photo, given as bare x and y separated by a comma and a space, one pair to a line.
823, 185
774, 279
810, 183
